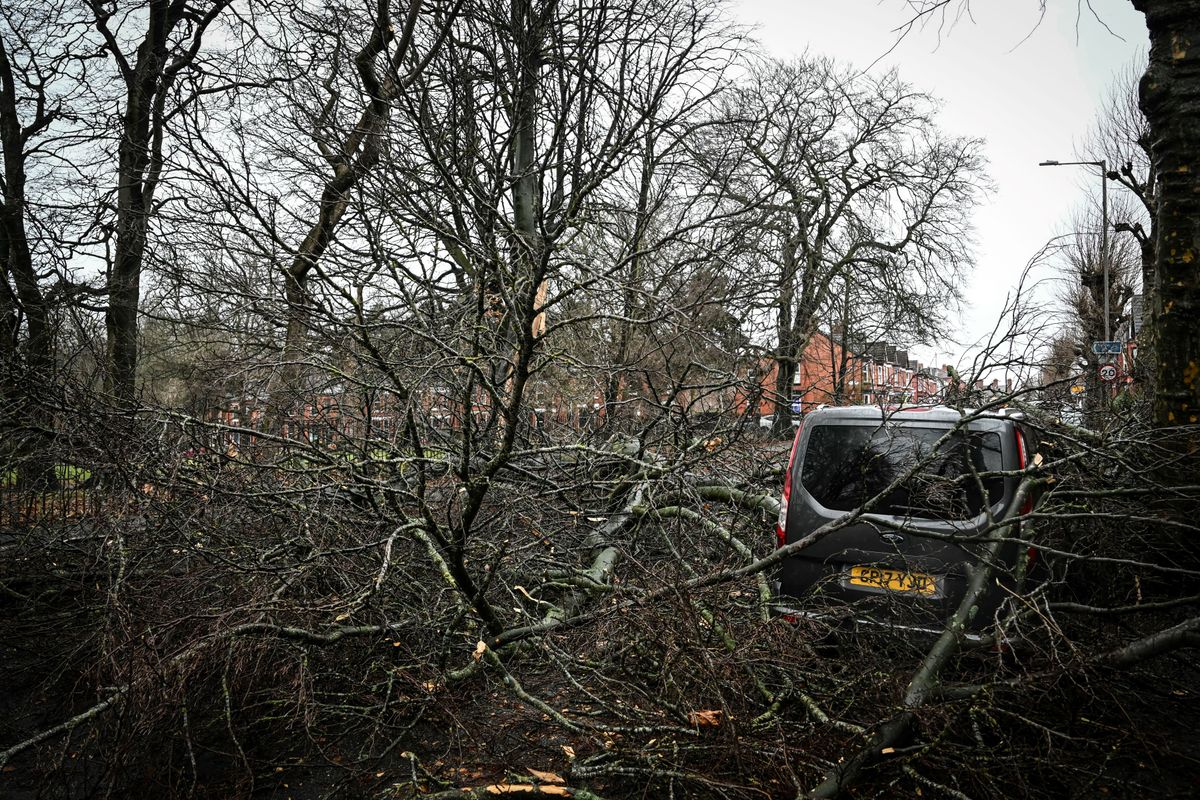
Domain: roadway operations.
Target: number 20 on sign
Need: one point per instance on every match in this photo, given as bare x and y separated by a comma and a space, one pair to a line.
1108, 372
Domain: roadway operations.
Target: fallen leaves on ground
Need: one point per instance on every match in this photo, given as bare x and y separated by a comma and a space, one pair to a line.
702, 718
545, 777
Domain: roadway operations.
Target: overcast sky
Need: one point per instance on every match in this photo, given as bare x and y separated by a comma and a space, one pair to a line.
1030, 100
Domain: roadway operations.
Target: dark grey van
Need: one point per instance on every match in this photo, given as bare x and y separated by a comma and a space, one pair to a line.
905, 561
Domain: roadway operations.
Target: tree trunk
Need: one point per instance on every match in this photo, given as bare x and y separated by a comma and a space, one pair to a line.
785, 373
1144, 334
24, 383
527, 245
14, 243
139, 159
1170, 99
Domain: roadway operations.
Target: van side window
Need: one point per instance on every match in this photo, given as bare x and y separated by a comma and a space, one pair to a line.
846, 465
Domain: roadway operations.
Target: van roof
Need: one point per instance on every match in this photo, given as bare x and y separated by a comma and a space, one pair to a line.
907, 413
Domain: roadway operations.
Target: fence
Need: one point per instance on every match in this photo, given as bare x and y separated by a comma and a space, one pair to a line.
21, 508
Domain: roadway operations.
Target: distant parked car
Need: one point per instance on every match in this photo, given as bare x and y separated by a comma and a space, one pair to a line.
768, 421
899, 567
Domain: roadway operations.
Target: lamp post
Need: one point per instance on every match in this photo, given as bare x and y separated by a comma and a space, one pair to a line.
1103, 165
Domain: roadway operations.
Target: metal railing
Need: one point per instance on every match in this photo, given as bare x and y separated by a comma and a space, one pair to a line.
26, 508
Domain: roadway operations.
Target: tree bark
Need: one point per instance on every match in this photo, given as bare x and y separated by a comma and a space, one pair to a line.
1170, 99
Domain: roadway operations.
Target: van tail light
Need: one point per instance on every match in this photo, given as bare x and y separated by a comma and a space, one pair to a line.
1023, 462
781, 523
1031, 555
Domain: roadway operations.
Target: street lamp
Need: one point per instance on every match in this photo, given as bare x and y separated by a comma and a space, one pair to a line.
1103, 165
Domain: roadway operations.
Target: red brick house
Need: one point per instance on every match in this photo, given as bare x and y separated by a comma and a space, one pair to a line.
880, 374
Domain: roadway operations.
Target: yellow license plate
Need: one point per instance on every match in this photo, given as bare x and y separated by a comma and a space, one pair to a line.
892, 580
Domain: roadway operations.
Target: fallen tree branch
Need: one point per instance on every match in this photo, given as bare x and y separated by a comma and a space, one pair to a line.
1119, 611
1185, 634
924, 683
514, 790
65, 727
722, 533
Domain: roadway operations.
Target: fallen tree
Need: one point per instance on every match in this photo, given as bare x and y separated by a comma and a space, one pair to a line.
633, 642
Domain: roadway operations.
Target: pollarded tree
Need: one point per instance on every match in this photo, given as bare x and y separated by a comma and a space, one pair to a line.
840, 176
1083, 262
1121, 138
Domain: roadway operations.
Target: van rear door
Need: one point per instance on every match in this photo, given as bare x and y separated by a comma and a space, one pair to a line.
845, 464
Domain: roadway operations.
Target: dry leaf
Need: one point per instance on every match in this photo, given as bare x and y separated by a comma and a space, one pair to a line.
545, 777
700, 718
480, 649
570, 751
341, 617
887, 751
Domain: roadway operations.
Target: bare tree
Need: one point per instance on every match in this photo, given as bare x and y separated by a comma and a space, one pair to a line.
846, 178
167, 38
1122, 139
44, 67
351, 154
22, 287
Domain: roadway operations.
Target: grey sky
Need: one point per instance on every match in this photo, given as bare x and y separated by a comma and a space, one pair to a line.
1031, 100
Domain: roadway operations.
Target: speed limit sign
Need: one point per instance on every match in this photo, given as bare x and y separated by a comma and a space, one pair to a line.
1108, 372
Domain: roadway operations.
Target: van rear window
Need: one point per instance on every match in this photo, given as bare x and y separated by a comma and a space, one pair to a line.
846, 465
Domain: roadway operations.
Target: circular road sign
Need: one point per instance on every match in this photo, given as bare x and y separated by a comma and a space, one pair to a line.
1108, 372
